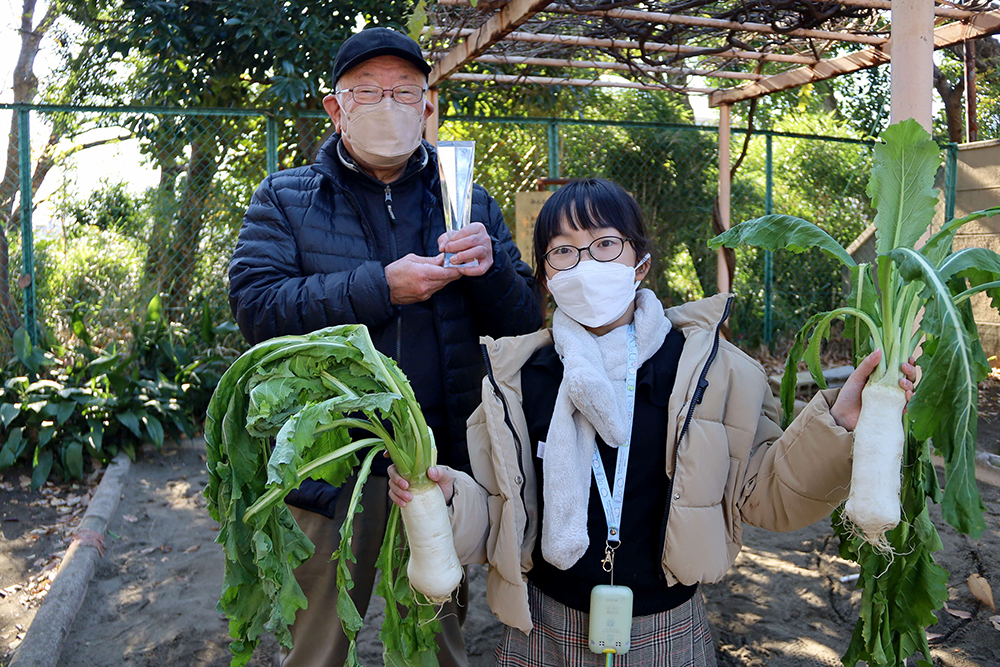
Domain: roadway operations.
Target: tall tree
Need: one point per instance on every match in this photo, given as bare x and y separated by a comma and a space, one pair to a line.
32, 31
230, 53
41, 24
949, 82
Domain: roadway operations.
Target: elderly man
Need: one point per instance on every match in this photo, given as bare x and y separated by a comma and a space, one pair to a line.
358, 237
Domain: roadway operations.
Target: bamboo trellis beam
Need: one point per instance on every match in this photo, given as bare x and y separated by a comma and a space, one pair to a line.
944, 9
719, 24
589, 83
980, 25
573, 40
825, 69
480, 40
943, 12
597, 64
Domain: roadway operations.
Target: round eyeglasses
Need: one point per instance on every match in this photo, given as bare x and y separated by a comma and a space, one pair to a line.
368, 94
603, 249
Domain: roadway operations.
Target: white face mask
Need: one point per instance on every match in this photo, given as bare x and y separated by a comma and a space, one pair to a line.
383, 134
595, 293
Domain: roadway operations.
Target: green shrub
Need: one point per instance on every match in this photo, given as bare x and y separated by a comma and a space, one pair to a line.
110, 208
60, 406
101, 268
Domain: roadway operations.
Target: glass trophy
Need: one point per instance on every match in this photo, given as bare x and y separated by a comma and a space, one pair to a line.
455, 160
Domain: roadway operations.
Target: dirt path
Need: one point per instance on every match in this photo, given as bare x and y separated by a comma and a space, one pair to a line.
152, 601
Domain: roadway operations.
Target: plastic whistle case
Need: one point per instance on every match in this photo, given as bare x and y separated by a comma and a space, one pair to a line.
610, 619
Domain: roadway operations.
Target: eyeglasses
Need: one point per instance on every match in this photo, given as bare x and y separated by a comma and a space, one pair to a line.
366, 94
603, 249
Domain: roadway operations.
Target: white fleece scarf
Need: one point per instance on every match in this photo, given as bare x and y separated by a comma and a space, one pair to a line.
591, 399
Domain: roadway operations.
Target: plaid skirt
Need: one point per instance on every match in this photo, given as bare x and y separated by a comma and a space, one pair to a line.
677, 638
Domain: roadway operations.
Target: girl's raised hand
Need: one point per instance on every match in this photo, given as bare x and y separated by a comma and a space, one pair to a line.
441, 475
847, 408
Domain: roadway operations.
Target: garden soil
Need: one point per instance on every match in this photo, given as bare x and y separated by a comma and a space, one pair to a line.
152, 601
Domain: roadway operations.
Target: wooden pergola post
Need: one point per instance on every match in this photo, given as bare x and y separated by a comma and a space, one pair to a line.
722, 277
912, 64
431, 127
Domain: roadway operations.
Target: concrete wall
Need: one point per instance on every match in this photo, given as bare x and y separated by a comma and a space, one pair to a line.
978, 187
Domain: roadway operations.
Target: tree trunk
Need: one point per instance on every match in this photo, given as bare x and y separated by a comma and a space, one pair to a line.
25, 89
706, 267
183, 256
162, 214
43, 166
954, 109
311, 137
10, 320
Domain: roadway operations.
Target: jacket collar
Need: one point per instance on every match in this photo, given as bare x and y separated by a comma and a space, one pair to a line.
414, 165
333, 159
508, 355
702, 315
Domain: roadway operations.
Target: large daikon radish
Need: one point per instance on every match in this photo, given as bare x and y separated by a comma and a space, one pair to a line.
434, 569
873, 504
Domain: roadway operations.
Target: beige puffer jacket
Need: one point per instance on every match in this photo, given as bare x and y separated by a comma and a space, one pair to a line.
733, 463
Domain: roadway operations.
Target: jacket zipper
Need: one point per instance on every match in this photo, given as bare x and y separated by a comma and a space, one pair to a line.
510, 425
699, 396
393, 250
369, 235
353, 201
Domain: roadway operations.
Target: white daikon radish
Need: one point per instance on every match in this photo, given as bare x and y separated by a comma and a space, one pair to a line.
873, 503
434, 569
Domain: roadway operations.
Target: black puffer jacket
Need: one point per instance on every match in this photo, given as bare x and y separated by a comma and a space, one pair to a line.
306, 259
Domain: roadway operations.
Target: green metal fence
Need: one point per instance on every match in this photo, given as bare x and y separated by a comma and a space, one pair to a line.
162, 217
672, 170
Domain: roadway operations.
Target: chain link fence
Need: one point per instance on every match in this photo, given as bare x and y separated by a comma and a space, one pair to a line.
154, 203
672, 171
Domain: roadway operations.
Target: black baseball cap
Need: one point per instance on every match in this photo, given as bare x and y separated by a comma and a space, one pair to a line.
374, 42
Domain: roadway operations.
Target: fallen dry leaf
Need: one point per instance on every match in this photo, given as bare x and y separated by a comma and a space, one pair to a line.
995, 620
981, 590
933, 637
192, 549
131, 518
160, 547
958, 613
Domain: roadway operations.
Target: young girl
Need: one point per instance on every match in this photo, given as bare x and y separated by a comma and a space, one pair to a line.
677, 429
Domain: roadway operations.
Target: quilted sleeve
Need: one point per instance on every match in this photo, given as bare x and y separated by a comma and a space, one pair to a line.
270, 296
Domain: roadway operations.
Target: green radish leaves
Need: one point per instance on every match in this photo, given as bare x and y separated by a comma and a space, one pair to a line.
944, 405
815, 330
782, 232
939, 244
902, 185
296, 407
908, 299
982, 269
347, 612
